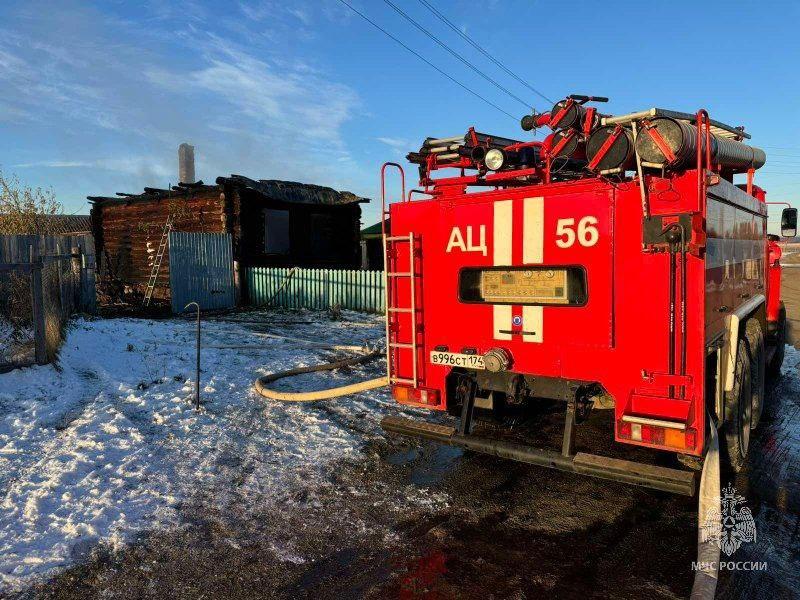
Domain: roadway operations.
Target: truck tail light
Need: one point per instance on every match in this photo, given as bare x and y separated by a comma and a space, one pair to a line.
679, 439
409, 395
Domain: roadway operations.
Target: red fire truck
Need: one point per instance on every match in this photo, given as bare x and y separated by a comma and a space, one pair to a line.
614, 264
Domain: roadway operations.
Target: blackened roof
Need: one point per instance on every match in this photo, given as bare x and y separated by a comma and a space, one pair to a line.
291, 191
176, 191
283, 191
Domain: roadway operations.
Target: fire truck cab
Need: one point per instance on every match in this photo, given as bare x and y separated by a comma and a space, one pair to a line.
615, 265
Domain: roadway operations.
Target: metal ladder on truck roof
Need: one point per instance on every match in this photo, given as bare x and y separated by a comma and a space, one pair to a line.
162, 247
391, 277
393, 344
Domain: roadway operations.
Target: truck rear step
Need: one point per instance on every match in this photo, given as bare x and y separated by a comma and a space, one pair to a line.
674, 481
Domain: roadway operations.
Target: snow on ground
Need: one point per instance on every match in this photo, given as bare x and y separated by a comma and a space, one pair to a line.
108, 444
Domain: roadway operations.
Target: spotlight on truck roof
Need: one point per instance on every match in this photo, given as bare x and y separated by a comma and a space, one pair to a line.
494, 159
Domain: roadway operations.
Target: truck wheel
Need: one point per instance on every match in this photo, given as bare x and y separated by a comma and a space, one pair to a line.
758, 368
738, 411
774, 366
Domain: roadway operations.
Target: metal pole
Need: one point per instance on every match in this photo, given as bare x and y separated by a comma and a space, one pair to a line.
197, 374
38, 305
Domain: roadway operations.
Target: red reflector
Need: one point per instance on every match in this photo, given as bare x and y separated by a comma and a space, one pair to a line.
657, 436
691, 438
653, 435
407, 395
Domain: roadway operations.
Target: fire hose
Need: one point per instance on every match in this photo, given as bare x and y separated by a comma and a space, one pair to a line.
262, 382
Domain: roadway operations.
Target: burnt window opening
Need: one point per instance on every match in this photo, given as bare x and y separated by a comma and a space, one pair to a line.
276, 231
323, 236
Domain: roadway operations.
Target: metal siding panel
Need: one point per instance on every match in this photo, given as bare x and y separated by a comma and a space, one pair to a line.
201, 270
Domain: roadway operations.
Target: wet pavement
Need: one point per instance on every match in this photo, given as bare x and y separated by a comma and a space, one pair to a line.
771, 485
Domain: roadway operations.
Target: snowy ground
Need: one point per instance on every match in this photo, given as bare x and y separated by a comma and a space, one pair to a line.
108, 444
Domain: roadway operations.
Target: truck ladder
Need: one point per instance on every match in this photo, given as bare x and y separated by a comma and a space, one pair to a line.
162, 247
393, 311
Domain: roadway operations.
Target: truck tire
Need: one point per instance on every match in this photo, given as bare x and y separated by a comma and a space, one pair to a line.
774, 366
738, 411
758, 368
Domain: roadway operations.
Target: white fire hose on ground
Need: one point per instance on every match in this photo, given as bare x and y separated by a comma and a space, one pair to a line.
262, 382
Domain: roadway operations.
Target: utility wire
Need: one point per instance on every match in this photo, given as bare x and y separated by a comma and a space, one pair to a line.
475, 45
425, 60
456, 54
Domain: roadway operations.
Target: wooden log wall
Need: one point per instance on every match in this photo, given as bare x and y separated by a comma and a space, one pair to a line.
128, 234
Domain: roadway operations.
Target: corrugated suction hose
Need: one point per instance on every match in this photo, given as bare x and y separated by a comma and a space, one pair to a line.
345, 390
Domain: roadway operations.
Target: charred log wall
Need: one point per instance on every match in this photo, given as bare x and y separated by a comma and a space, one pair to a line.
320, 235
127, 234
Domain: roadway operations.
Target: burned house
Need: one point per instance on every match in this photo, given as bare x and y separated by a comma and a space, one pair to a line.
271, 223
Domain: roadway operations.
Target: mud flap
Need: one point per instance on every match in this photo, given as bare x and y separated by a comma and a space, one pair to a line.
705, 580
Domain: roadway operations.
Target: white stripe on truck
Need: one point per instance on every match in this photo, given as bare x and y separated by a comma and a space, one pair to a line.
501, 240
502, 321
532, 324
533, 254
533, 231
502, 232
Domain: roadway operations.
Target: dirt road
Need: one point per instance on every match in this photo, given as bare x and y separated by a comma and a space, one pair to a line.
485, 528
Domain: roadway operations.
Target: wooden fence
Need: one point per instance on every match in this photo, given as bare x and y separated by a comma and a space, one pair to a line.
43, 281
316, 289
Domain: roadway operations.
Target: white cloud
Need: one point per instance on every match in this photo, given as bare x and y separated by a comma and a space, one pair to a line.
397, 143
132, 165
268, 9
119, 96
54, 164
287, 103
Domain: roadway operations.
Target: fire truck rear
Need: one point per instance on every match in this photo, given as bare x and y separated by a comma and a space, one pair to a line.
614, 265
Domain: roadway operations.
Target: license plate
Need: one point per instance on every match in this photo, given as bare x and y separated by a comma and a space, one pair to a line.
453, 359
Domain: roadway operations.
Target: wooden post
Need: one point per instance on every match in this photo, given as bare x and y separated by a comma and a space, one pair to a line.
38, 306
61, 308
76, 260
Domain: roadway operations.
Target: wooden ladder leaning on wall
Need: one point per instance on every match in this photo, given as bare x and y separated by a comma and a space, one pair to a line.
162, 248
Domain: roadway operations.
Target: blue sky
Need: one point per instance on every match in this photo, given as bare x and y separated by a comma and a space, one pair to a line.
96, 96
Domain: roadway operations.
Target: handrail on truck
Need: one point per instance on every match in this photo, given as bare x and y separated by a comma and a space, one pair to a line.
383, 191
703, 119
